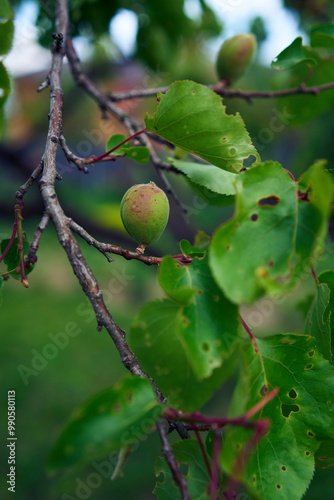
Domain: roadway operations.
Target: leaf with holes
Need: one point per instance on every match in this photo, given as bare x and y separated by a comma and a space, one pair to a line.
188, 454
193, 118
324, 457
209, 325
317, 325
301, 415
295, 53
116, 417
252, 251
158, 343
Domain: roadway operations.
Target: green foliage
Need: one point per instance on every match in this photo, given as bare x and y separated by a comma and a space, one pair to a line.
12, 258
201, 126
316, 324
295, 54
139, 154
188, 453
301, 414
112, 419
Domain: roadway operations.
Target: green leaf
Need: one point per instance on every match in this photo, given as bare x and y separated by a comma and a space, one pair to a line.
115, 140
174, 279
5, 84
317, 325
209, 325
193, 117
186, 452
324, 457
328, 278
313, 214
213, 178
12, 258
294, 54
6, 11
112, 419
140, 154
191, 250
253, 249
323, 36
1, 283
281, 466
158, 343
6, 36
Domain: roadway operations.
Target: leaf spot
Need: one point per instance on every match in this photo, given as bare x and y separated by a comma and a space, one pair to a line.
287, 409
278, 486
270, 201
232, 152
215, 298
310, 354
205, 347
310, 434
308, 367
129, 397
283, 468
254, 217
307, 453
293, 394
263, 391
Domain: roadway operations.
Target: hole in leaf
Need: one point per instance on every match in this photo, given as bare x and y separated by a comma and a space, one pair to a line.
263, 391
287, 409
310, 354
278, 486
308, 367
283, 468
310, 434
254, 217
293, 394
270, 201
205, 347
307, 453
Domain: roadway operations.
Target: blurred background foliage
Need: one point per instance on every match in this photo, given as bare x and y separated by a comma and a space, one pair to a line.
169, 45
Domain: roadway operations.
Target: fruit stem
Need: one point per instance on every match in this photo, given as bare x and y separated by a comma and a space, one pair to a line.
94, 159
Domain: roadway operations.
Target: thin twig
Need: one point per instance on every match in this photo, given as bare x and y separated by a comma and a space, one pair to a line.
224, 92
214, 485
33, 177
31, 258
167, 451
249, 331
71, 157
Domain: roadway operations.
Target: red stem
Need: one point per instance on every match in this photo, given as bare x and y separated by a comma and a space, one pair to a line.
204, 453
248, 330
94, 159
214, 486
314, 276
10, 241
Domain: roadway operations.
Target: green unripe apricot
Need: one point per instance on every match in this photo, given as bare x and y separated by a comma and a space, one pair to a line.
235, 56
145, 212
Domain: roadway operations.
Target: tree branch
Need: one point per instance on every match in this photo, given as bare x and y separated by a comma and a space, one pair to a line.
167, 451
224, 92
47, 186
